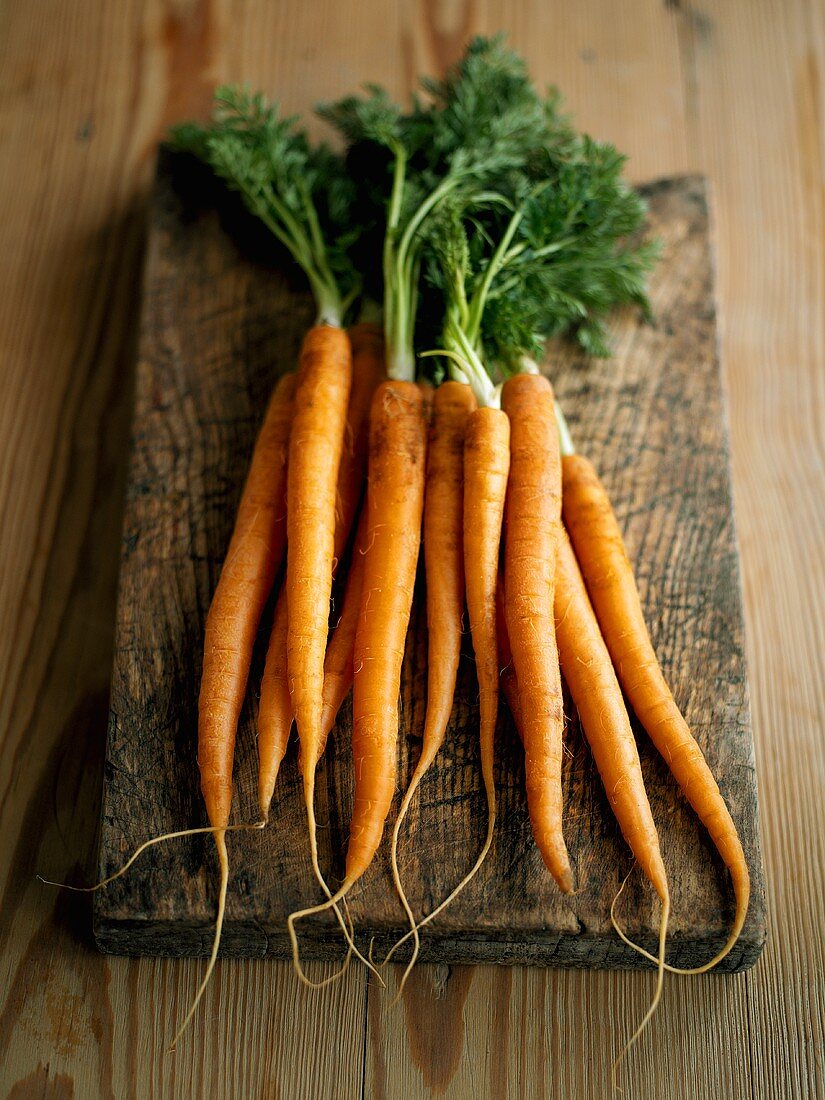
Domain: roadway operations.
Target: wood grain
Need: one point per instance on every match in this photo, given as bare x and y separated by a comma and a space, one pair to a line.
217, 327
732, 89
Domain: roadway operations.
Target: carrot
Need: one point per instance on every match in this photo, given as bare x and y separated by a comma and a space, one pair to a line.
316, 447
533, 529
589, 673
291, 187
453, 403
252, 560
315, 450
275, 721
601, 553
395, 500
586, 665
328, 361
486, 465
275, 714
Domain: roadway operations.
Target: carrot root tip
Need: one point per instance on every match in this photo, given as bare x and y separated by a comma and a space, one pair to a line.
657, 996
223, 859
313, 844
299, 914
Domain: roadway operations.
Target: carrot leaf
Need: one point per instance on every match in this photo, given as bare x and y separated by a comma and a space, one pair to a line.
551, 245
474, 129
300, 192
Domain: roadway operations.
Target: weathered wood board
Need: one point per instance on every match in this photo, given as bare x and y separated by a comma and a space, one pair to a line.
220, 322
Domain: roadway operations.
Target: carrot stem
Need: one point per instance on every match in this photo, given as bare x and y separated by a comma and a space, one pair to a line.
565, 440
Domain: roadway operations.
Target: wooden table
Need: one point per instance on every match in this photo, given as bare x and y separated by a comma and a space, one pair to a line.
732, 88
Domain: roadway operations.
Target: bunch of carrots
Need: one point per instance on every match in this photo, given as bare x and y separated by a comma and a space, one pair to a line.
455, 240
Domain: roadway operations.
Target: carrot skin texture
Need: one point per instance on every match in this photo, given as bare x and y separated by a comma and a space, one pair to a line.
428, 394
275, 715
444, 558
338, 663
395, 502
600, 550
533, 527
253, 558
367, 344
592, 681
449, 408
589, 673
507, 673
315, 449
486, 466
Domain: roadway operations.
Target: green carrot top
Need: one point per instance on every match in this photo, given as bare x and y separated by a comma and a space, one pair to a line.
476, 128
547, 249
300, 192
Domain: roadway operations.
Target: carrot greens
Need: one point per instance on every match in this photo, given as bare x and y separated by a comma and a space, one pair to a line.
472, 131
300, 192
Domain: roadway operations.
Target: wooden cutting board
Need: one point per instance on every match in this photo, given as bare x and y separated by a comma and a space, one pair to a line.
222, 317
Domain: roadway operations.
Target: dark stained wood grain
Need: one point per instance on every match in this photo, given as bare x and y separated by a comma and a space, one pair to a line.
220, 322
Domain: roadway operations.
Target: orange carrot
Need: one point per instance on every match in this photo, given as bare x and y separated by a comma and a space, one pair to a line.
486, 464
287, 195
252, 560
533, 521
592, 681
395, 500
601, 553
453, 402
315, 448
585, 663
275, 714
589, 673
318, 533
444, 565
